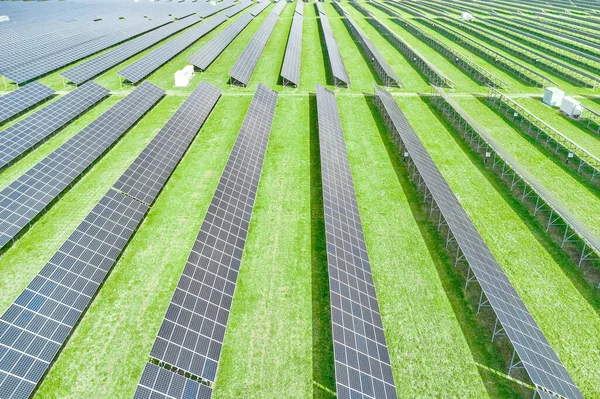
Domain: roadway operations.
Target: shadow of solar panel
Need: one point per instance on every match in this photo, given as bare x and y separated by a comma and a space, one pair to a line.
144, 179
290, 70
191, 335
338, 70
17, 101
385, 72
260, 7
94, 67
362, 364
160, 383
238, 8
211, 50
37, 324
30, 131
22, 200
151, 62
535, 353
244, 66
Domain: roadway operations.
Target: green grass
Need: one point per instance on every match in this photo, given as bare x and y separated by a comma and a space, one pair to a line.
278, 341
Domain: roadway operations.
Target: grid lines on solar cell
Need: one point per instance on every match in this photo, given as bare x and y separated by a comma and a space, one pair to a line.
160, 383
22, 200
37, 324
144, 179
338, 70
211, 50
30, 131
362, 364
245, 64
17, 101
151, 62
191, 335
539, 359
97, 65
290, 70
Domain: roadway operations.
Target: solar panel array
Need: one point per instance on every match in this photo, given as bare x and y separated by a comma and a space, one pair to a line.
238, 8
242, 70
40, 321
290, 70
530, 344
383, 69
17, 101
23, 199
154, 60
362, 364
340, 77
30, 131
97, 65
211, 50
260, 7
191, 335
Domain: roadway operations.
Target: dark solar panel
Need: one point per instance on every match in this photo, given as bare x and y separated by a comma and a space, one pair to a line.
290, 70
151, 62
211, 50
37, 324
535, 353
160, 383
191, 335
151, 169
244, 66
17, 101
340, 77
362, 364
238, 8
25, 134
94, 67
26, 197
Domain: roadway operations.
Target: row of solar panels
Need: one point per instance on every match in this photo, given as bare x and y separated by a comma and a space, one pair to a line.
290, 70
338, 70
39, 322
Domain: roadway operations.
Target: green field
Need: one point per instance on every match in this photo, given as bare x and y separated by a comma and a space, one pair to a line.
278, 339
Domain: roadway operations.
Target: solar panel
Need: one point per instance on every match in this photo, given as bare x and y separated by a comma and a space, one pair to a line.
151, 169
211, 50
209, 9
238, 8
39, 322
362, 364
17, 101
279, 6
530, 345
23, 199
94, 67
191, 335
340, 77
260, 7
299, 8
151, 62
30, 131
160, 383
244, 66
290, 70
385, 72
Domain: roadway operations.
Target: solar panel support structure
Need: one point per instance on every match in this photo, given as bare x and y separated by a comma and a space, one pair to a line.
435, 76
586, 164
531, 350
543, 206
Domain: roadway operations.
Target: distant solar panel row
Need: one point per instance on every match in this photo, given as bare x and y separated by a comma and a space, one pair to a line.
39, 322
151, 62
362, 364
387, 75
191, 335
260, 7
23, 199
94, 67
244, 66
211, 50
209, 9
338, 70
535, 353
30, 131
290, 70
17, 101
238, 8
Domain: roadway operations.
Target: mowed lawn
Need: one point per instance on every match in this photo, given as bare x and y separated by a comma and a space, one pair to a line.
278, 340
